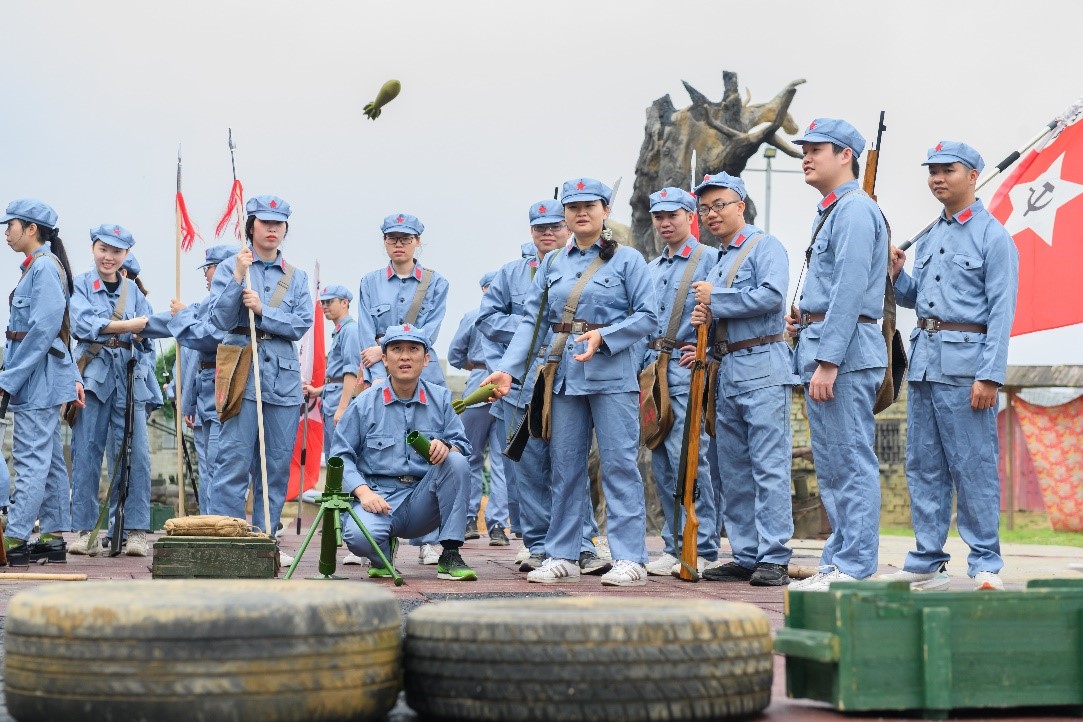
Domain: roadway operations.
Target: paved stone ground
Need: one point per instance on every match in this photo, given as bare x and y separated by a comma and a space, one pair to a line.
498, 577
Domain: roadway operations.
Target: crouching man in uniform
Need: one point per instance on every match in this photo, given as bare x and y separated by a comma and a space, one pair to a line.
398, 492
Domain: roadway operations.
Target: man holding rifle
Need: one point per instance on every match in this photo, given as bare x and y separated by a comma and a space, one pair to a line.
840, 353
963, 288
744, 297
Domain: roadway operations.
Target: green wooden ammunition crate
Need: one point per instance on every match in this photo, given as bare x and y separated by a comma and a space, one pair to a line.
879, 646
159, 515
214, 557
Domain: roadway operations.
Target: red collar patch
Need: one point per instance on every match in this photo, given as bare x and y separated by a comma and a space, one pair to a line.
741, 238
390, 272
828, 200
97, 284
533, 263
26, 262
686, 251
421, 396
387, 395
966, 215
417, 272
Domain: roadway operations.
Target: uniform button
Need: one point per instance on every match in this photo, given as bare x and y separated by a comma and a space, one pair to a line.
664, 282
802, 295
938, 278
569, 346
966, 338
941, 250
578, 275
401, 299
266, 288
931, 304
663, 307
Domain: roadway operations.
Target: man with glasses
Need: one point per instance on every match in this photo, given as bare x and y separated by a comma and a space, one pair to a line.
528, 480
840, 353
744, 300
672, 212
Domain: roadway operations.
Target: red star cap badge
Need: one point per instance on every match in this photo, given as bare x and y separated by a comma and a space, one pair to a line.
707, 177
274, 204
116, 230
939, 147
405, 327
812, 125
580, 185
541, 209
400, 219
663, 194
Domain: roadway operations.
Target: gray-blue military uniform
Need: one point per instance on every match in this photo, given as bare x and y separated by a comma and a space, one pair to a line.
500, 317
343, 358
618, 302
39, 375
277, 330
105, 375
840, 305
471, 351
752, 404
385, 299
963, 288
426, 499
667, 272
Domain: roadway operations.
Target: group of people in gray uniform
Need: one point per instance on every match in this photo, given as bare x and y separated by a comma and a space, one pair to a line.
564, 334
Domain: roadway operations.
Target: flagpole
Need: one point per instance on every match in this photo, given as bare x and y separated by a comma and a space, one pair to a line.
1000, 168
177, 382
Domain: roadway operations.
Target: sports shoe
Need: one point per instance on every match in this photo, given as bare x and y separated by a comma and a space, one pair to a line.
555, 571
284, 559
429, 554
675, 570
472, 530
625, 574
591, 563
352, 558
279, 532
137, 543
532, 562
82, 546
522, 555
50, 547
770, 575
452, 568
822, 580
378, 572
728, 572
498, 537
662, 566
601, 548
920, 581
18, 552
988, 581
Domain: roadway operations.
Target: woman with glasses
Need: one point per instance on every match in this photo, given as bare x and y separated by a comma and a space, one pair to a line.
401, 293
595, 387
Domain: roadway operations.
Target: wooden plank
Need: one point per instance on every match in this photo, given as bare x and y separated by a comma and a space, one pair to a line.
807, 644
936, 660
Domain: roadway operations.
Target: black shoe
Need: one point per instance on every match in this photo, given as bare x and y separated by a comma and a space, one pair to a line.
532, 562
18, 555
729, 572
769, 575
452, 568
472, 530
498, 537
55, 550
591, 563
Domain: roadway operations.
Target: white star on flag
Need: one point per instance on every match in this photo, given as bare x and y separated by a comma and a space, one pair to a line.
1035, 204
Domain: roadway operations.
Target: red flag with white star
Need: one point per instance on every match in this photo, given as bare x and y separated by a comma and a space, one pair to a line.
1040, 203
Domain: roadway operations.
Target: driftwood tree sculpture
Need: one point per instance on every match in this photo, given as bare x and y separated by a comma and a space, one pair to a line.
723, 135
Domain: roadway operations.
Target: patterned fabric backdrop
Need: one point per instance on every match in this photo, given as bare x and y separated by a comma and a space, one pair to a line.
1054, 437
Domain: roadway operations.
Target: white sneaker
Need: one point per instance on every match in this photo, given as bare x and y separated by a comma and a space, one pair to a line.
821, 581
555, 571
429, 554
701, 564
352, 558
989, 581
137, 544
522, 556
80, 545
662, 566
920, 581
284, 559
601, 548
625, 574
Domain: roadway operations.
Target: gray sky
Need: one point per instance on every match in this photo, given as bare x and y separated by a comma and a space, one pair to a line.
501, 101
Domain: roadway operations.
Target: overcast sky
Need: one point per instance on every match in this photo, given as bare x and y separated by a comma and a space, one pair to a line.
500, 102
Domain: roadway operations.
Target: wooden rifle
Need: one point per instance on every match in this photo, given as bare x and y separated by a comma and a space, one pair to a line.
872, 161
684, 496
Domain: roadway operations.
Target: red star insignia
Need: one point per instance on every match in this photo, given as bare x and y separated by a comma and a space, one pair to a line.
116, 230
541, 209
406, 327
274, 204
580, 185
400, 219
812, 125
939, 147
663, 194
707, 177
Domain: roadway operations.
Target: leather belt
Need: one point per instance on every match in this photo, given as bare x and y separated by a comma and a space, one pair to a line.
207, 365
246, 331
399, 479
723, 348
113, 342
15, 335
659, 345
474, 365
334, 379
932, 325
807, 318
577, 326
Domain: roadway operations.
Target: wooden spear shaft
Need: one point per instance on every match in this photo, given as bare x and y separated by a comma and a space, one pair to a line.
177, 382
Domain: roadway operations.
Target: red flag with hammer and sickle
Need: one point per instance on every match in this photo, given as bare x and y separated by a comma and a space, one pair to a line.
1041, 205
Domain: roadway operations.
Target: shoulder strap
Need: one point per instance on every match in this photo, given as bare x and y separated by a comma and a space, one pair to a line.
118, 314
723, 323
537, 323
283, 286
556, 348
419, 296
812, 242
682, 293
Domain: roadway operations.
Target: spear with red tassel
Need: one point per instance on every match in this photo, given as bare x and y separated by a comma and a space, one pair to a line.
186, 236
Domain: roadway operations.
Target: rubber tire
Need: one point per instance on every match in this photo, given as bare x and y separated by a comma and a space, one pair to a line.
202, 649
588, 658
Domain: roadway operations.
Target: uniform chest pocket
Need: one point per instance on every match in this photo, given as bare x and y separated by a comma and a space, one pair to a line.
822, 262
603, 367
960, 352
518, 302
751, 364
743, 277
20, 310
378, 312
288, 380
380, 453
968, 274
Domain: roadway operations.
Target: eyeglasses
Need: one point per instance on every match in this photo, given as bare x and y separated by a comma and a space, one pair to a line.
399, 240
717, 207
326, 301
543, 228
